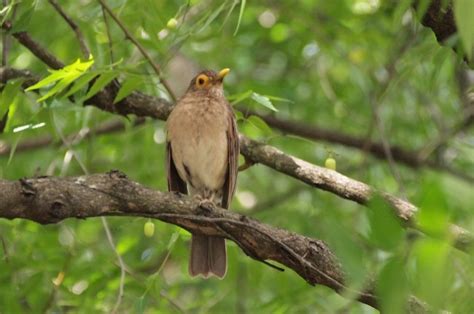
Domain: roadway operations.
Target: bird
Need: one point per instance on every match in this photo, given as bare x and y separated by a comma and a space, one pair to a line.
202, 149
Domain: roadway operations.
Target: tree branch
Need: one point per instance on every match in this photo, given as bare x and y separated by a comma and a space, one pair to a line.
49, 200
39, 51
82, 43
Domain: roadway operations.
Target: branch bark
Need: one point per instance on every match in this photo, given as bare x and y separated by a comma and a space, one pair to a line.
411, 158
47, 200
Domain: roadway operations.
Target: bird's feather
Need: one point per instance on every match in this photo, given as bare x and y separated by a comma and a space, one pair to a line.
233, 161
175, 183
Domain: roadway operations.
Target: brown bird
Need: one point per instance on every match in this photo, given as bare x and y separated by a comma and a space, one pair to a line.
202, 160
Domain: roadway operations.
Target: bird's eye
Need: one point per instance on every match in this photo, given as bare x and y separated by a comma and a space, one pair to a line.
201, 80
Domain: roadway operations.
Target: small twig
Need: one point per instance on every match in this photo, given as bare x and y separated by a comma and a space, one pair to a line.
39, 51
5, 50
5, 42
121, 263
142, 50
80, 37
109, 35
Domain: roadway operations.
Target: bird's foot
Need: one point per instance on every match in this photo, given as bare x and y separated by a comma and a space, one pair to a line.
205, 204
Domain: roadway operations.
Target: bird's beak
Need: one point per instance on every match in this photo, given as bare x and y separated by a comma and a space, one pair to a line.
223, 73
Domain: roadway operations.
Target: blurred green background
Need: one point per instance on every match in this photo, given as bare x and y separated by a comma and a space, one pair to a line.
366, 68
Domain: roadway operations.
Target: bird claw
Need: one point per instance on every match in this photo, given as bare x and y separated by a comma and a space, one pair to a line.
206, 204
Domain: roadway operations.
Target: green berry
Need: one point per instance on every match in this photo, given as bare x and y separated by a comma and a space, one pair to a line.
149, 229
330, 163
172, 23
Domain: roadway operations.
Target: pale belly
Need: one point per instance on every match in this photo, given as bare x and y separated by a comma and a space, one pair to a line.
199, 148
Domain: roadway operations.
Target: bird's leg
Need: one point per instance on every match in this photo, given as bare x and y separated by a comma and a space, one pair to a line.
205, 203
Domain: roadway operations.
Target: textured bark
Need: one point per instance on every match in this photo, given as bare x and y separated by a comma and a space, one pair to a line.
48, 200
339, 184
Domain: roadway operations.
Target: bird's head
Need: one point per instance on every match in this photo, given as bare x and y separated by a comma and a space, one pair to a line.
208, 81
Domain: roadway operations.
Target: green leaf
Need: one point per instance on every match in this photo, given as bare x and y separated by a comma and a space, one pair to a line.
401, 9
433, 273
263, 100
183, 232
21, 23
235, 99
463, 15
73, 71
63, 78
81, 82
385, 229
275, 98
128, 86
9, 94
260, 124
100, 83
392, 286
433, 217
422, 7
59, 87
348, 251
140, 304
241, 13
238, 115
212, 17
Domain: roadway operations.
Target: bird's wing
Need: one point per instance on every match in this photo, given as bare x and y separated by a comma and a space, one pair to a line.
233, 160
175, 183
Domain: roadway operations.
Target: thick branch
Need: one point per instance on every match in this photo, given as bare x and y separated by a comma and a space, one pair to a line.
49, 200
338, 184
400, 154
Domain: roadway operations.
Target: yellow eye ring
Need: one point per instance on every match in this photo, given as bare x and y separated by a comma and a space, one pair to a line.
202, 80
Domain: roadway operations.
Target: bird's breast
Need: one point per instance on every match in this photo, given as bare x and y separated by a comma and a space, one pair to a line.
197, 133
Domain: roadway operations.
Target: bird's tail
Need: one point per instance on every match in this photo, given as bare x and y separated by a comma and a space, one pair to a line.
208, 256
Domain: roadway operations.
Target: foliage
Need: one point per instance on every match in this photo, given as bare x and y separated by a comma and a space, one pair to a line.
330, 64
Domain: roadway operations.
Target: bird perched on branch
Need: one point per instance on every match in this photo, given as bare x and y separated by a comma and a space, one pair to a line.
202, 160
